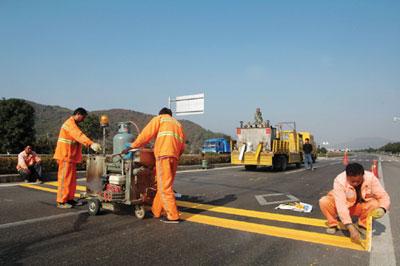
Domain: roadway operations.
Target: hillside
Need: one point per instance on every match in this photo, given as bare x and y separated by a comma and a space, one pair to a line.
48, 120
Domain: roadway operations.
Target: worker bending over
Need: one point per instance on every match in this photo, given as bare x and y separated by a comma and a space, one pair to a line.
168, 147
68, 153
355, 193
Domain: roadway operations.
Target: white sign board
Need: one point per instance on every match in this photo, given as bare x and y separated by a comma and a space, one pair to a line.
189, 104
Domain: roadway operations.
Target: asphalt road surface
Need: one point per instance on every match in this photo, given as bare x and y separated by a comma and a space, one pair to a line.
224, 223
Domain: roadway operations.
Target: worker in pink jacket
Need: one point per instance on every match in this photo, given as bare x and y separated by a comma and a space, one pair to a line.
355, 193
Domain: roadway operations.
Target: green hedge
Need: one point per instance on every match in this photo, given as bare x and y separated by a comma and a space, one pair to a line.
8, 164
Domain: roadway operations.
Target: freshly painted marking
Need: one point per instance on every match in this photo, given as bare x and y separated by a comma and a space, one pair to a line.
317, 238
254, 214
41, 219
337, 241
78, 187
262, 199
44, 188
10, 185
382, 252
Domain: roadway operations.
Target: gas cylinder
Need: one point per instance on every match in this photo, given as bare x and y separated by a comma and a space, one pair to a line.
123, 138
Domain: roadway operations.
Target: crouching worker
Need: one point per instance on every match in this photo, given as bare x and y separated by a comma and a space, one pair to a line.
68, 153
29, 165
168, 147
355, 193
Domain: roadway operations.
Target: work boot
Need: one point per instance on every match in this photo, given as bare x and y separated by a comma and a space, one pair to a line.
331, 230
39, 181
75, 203
26, 181
168, 221
64, 205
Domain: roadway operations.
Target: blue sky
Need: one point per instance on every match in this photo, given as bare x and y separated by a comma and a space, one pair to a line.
331, 66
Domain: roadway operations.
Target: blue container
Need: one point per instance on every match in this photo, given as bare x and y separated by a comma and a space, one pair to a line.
123, 138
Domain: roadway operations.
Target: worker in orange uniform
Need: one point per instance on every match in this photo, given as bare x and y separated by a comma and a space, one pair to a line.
355, 193
68, 153
168, 147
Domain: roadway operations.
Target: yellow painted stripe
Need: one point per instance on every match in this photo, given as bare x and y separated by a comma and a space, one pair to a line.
43, 188
317, 238
254, 214
324, 239
55, 184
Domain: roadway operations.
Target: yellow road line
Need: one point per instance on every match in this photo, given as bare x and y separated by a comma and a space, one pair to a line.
254, 214
55, 184
317, 238
44, 188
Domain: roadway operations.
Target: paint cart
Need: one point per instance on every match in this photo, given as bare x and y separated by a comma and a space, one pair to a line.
118, 179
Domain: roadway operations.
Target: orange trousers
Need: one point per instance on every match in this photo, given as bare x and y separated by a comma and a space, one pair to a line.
361, 210
66, 181
164, 201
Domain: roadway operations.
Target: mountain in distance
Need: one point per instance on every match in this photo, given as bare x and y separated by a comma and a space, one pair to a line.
49, 118
363, 143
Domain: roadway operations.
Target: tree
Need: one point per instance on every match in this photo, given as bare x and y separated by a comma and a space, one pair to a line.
91, 127
17, 123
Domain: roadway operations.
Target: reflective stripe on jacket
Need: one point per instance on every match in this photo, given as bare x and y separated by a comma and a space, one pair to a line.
168, 134
346, 196
69, 143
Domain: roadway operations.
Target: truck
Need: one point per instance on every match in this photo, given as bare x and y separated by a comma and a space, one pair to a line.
260, 144
307, 135
216, 145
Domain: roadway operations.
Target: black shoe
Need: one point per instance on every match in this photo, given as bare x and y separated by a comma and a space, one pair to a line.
168, 221
75, 203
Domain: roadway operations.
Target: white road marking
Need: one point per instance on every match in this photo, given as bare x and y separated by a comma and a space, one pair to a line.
41, 219
382, 252
10, 184
263, 201
294, 171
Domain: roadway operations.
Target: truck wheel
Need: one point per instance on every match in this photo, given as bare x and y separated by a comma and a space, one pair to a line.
313, 159
94, 206
283, 163
298, 165
140, 212
250, 167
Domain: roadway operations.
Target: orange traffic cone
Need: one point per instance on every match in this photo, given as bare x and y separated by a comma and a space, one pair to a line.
374, 168
345, 159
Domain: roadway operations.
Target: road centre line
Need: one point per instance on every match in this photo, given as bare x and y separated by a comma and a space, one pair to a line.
306, 236
41, 219
212, 169
254, 214
226, 210
44, 188
281, 232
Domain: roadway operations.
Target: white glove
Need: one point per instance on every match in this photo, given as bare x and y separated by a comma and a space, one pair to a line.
96, 147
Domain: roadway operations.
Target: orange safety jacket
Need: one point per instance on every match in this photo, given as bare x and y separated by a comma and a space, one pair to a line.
345, 195
169, 136
69, 143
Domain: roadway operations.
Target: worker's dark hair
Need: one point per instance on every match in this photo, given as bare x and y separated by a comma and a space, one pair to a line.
80, 111
354, 169
307, 139
165, 111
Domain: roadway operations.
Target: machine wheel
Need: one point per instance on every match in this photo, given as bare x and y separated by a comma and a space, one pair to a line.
250, 167
94, 206
140, 212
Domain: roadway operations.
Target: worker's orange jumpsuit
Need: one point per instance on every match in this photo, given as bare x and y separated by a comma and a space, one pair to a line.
341, 201
68, 153
168, 147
